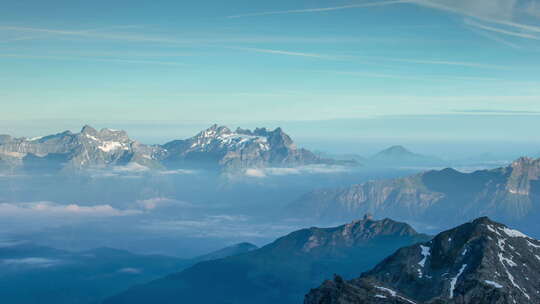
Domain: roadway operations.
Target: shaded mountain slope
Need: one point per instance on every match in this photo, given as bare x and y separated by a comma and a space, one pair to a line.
31, 274
439, 197
282, 271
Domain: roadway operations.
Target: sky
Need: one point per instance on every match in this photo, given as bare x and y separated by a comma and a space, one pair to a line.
193, 63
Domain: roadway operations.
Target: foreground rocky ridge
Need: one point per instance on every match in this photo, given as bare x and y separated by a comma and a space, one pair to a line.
281, 272
478, 262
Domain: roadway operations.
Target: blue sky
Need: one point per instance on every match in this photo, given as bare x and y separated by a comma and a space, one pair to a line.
247, 62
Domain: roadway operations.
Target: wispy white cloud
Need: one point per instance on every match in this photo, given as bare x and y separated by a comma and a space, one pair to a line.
177, 172
413, 77
496, 10
130, 270
320, 9
51, 210
35, 216
444, 62
219, 226
157, 202
174, 63
11, 243
496, 38
33, 262
501, 31
129, 61
209, 42
285, 52
96, 34
206, 39
313, 169
497, 111
259, 173
499, 13
504, 17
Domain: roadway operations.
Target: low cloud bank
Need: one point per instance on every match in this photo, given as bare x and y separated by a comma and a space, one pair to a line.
33, 262
220, 226
158, 202
313, 169
51, 209
130, 270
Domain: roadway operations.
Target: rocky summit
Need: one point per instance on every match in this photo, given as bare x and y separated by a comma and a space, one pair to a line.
67, 150
220, 147
478, 262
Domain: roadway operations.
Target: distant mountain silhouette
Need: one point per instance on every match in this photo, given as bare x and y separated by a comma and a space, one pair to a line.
32, 274
438, 197
214, 148
281, 272
399, 156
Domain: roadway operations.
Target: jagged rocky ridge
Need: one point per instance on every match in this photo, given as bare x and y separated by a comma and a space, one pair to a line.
441, 198
478, 262
89, 148
281, 272
216, 147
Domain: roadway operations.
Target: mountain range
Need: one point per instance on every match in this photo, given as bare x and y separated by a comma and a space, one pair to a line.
478, 262
31, 273
440, 198
216, 147
67, 150
282, 271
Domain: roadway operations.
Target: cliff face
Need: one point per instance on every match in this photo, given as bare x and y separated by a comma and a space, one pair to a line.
439, 198
478, 262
